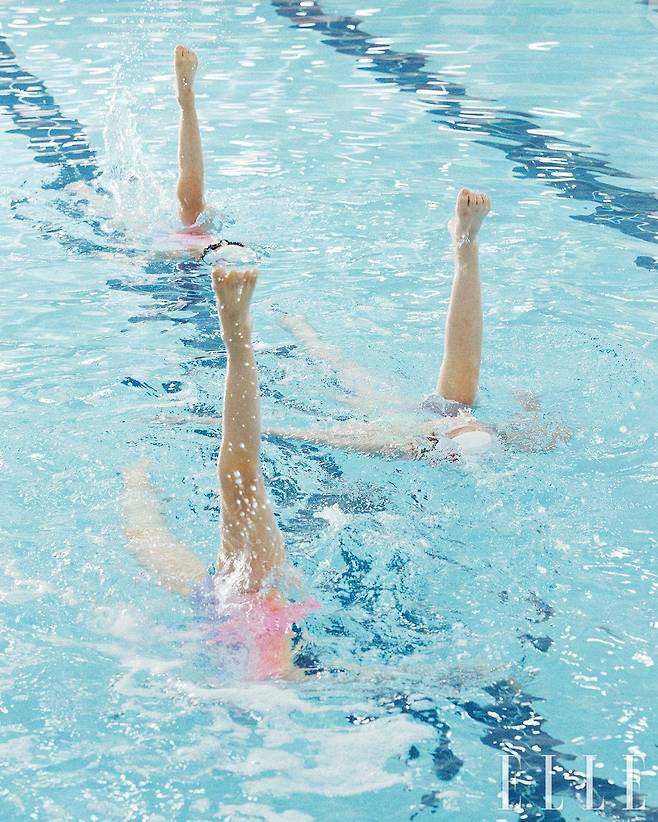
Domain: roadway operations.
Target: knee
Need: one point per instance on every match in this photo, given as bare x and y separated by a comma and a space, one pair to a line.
190, 201
190, 211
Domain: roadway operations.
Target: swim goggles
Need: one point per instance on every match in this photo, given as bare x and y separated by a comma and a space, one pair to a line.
218, 245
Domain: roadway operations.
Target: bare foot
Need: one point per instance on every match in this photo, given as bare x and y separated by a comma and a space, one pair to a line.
185, 64
470, 210
233, 291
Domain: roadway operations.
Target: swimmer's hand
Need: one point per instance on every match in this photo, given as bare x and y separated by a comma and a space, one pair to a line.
527, 400
528, 432
534, 438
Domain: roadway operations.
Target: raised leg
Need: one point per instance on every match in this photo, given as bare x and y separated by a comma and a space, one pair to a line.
460, 369
251, 543
190, 155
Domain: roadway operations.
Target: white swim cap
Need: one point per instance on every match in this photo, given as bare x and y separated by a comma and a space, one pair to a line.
474, 442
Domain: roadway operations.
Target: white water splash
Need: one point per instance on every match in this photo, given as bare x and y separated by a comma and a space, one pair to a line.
138, 199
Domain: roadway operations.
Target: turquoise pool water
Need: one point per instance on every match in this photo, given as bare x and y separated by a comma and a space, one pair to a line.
505, 607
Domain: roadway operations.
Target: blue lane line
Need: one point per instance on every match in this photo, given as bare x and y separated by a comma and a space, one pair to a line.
514, 726
55, 139
512, 132
617, 207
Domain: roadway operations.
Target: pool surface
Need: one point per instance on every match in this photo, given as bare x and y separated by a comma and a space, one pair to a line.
468, 611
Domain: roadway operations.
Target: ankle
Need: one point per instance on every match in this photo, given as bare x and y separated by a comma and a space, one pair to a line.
465, 243
186, 99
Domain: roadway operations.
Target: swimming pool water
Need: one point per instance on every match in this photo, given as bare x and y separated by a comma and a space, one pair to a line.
466, 611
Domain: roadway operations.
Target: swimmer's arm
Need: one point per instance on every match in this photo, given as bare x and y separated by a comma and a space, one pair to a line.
97, 199
527, 432
319, 436
528, 401
342, 436
338, 437
533, 437
150, 539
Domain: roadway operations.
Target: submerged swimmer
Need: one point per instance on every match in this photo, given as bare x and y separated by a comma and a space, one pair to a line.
241, 600
444, 426
447, 414
197, 236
